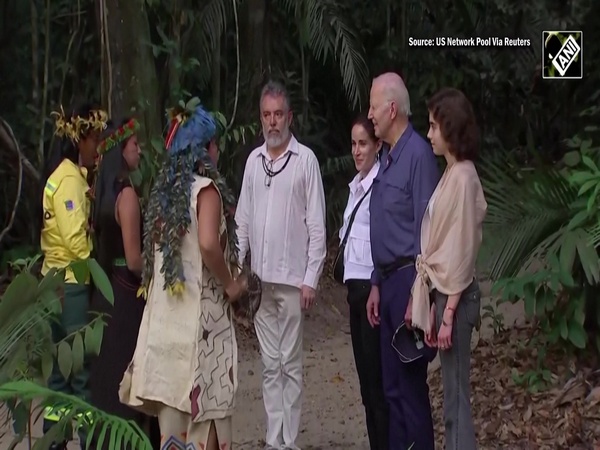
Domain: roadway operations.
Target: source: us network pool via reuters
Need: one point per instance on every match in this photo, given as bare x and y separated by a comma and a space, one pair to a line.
446, 41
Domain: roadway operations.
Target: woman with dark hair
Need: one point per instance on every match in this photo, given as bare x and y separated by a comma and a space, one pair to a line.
451, 235
355, 236
118, 229
65, 237
184, 369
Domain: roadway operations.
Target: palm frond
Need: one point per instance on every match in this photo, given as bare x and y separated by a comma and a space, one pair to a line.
205, 33
330, 36
120, 433
526, 212
336, 165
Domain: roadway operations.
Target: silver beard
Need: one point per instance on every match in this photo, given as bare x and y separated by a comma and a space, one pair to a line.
275, 140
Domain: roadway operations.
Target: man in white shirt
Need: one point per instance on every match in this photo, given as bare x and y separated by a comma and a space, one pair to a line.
281, 221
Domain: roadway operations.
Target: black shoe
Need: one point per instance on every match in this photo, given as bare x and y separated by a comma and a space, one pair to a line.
60, 446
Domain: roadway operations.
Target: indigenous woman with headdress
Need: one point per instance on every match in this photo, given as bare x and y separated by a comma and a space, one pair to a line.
184, 369
65, 235
118, 230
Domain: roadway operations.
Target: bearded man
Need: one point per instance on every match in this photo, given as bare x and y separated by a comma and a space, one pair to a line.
281, 221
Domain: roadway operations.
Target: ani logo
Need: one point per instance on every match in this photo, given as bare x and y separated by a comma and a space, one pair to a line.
562, 55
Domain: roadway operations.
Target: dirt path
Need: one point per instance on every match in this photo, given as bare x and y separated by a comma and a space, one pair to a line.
332, 416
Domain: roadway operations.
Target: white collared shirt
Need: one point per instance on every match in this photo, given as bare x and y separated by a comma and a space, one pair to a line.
283, 225
358, 262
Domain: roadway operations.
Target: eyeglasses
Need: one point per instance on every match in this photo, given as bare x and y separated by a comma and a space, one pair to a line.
268, 167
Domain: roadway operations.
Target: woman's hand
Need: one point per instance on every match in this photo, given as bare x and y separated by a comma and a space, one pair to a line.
236, 289
445, 335
430, 335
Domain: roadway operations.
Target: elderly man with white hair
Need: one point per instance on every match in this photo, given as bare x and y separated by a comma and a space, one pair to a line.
401, 191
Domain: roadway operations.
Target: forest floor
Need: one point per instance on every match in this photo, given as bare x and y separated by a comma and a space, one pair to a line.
506, 414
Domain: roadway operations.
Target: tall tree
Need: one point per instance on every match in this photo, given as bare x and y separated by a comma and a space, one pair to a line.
129, 82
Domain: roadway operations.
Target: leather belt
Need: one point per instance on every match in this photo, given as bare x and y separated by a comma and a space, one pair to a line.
387, 269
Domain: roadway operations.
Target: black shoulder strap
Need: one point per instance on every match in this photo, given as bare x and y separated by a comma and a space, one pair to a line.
354, 211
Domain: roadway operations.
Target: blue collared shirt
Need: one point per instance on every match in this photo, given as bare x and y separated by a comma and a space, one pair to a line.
406, 180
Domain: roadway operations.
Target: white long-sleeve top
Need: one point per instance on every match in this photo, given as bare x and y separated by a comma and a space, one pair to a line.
283, 225
358, 262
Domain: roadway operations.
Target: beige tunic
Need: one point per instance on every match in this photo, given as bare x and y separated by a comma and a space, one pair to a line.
186, 354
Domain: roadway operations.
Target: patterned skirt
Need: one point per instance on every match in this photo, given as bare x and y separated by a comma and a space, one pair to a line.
184, 369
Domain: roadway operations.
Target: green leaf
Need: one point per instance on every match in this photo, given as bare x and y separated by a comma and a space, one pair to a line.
581, 177
579, 219
65, 359
89, 340
572, 158
101, 281
587, 186
47, 364
549, 299
554, 335
566, 279
589, 260
588, 162
77, 353
585, 146
564, 328
22, 289
567, 252
592, 198
93, 337
577, 335
80, 270
20, 416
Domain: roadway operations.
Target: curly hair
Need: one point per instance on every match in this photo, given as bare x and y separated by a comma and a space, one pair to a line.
453, 112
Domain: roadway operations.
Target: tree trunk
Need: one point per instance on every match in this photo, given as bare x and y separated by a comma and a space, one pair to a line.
131, 76
255, 59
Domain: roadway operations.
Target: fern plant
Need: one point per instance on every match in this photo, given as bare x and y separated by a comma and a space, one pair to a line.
542, 233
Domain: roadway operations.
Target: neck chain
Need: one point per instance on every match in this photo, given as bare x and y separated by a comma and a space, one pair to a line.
268, 168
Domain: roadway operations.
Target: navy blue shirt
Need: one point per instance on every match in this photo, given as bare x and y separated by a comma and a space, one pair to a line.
406, 180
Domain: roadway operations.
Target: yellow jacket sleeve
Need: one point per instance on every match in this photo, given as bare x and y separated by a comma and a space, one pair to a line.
71, 211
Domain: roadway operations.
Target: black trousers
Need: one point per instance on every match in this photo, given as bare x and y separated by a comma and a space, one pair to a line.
367, 357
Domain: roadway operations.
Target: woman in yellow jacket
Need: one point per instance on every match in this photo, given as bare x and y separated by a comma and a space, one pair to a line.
65, 236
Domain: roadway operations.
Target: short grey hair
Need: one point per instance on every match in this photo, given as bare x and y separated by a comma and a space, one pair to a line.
275, 89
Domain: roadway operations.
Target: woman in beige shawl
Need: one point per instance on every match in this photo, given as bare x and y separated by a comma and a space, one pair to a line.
451, 235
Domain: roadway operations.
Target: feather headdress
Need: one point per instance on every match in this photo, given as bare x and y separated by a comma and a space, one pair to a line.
75, 126
167, 218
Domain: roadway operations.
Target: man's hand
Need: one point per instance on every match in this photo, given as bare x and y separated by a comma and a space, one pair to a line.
373, 307
408, 314
307, 296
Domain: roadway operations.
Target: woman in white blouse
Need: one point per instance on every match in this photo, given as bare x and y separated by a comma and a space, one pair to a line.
358, 266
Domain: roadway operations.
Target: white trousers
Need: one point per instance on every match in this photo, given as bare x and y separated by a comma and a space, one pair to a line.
278, 324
